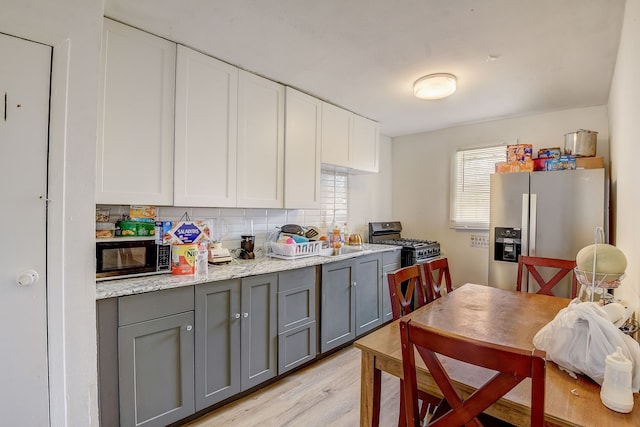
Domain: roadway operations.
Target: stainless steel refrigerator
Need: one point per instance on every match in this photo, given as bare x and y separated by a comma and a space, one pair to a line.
547, 214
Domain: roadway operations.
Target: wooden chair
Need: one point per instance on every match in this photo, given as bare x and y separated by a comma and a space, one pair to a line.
512, 366
404, 283
531, 264
435, 272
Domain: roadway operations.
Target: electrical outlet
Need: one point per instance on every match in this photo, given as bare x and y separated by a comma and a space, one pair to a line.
479, 241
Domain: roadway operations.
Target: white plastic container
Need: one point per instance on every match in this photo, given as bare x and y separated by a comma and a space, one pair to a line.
616, 393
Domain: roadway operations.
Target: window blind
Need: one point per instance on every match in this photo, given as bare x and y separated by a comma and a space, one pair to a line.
470, 198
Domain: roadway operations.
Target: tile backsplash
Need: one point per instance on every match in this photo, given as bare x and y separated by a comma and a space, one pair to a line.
238, 221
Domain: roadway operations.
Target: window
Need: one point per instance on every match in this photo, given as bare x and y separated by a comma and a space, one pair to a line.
470, 187
334, 198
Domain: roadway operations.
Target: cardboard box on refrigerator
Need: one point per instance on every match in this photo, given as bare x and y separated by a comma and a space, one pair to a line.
508, 167
589, 162
519, 152
561, 163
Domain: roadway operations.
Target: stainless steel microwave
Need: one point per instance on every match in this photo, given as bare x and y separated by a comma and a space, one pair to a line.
122, 257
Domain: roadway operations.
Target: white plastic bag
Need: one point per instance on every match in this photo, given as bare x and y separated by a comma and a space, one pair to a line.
581, 336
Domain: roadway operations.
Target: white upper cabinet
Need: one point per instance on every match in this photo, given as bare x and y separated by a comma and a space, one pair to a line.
134, 163
336, 133
348, 140
260, 142
364, 145
206, 123
302, 151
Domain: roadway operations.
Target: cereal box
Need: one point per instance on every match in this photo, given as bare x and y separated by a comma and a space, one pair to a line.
554, 152
561, 163
519, 152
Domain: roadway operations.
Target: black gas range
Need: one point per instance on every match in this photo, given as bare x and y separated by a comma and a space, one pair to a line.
414, 251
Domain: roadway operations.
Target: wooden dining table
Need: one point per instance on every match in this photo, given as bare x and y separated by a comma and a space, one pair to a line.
503, 317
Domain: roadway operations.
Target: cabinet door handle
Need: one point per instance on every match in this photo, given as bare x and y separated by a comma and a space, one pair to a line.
236, 316
354, 283
245, 315
189, 327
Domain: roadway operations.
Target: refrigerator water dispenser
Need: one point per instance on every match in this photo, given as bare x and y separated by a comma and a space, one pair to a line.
507, 244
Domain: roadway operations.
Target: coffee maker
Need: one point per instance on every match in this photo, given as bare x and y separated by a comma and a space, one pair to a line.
246, 246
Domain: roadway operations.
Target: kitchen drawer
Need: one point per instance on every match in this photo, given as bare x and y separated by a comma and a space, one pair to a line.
390, 257
152, 305
297, 346
296, 307
298, 278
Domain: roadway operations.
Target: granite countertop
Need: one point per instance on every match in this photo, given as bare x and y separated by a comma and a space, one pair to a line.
235, 269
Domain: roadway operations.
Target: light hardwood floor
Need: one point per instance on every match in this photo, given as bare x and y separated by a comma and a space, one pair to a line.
326, 393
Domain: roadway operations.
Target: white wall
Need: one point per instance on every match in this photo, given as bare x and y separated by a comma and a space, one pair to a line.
73, 28
624, 110
422, 173
370, 195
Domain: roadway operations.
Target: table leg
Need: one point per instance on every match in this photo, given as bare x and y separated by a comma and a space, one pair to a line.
369, 392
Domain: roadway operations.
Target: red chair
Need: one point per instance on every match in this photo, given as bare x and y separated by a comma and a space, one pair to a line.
532, 264
512, 366
435, 273
403, 285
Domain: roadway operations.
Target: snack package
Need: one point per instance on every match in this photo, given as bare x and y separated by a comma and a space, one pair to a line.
185, 232
142, 213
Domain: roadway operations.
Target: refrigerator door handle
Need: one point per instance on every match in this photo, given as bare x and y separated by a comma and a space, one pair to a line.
532, 224
524, 225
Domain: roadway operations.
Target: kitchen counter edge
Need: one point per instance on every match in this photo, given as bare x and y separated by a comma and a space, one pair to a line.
235, 269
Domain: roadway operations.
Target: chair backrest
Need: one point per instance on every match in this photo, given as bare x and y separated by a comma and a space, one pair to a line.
404, 283
530, 264
512, 365
436, 274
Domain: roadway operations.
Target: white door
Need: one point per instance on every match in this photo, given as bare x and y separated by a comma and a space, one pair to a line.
25, 71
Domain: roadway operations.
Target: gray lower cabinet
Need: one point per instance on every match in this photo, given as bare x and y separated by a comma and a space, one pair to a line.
352, 300
155, 357
236, 336
368, 289
297, 325
338, 304
390, 262
217, 345
259, 330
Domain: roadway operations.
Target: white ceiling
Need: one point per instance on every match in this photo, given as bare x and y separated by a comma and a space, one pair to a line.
364, 55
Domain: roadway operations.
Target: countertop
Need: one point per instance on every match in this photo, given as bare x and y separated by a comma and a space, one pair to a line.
237, 268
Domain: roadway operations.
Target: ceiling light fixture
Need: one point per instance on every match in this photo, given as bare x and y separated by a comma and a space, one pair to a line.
435, 86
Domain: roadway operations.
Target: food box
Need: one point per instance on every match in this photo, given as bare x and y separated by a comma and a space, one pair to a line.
142, 213
561, 163
519, 152
184, 232
540, 163
162, 228
508, 167
550, 152
589, 162
136, 228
